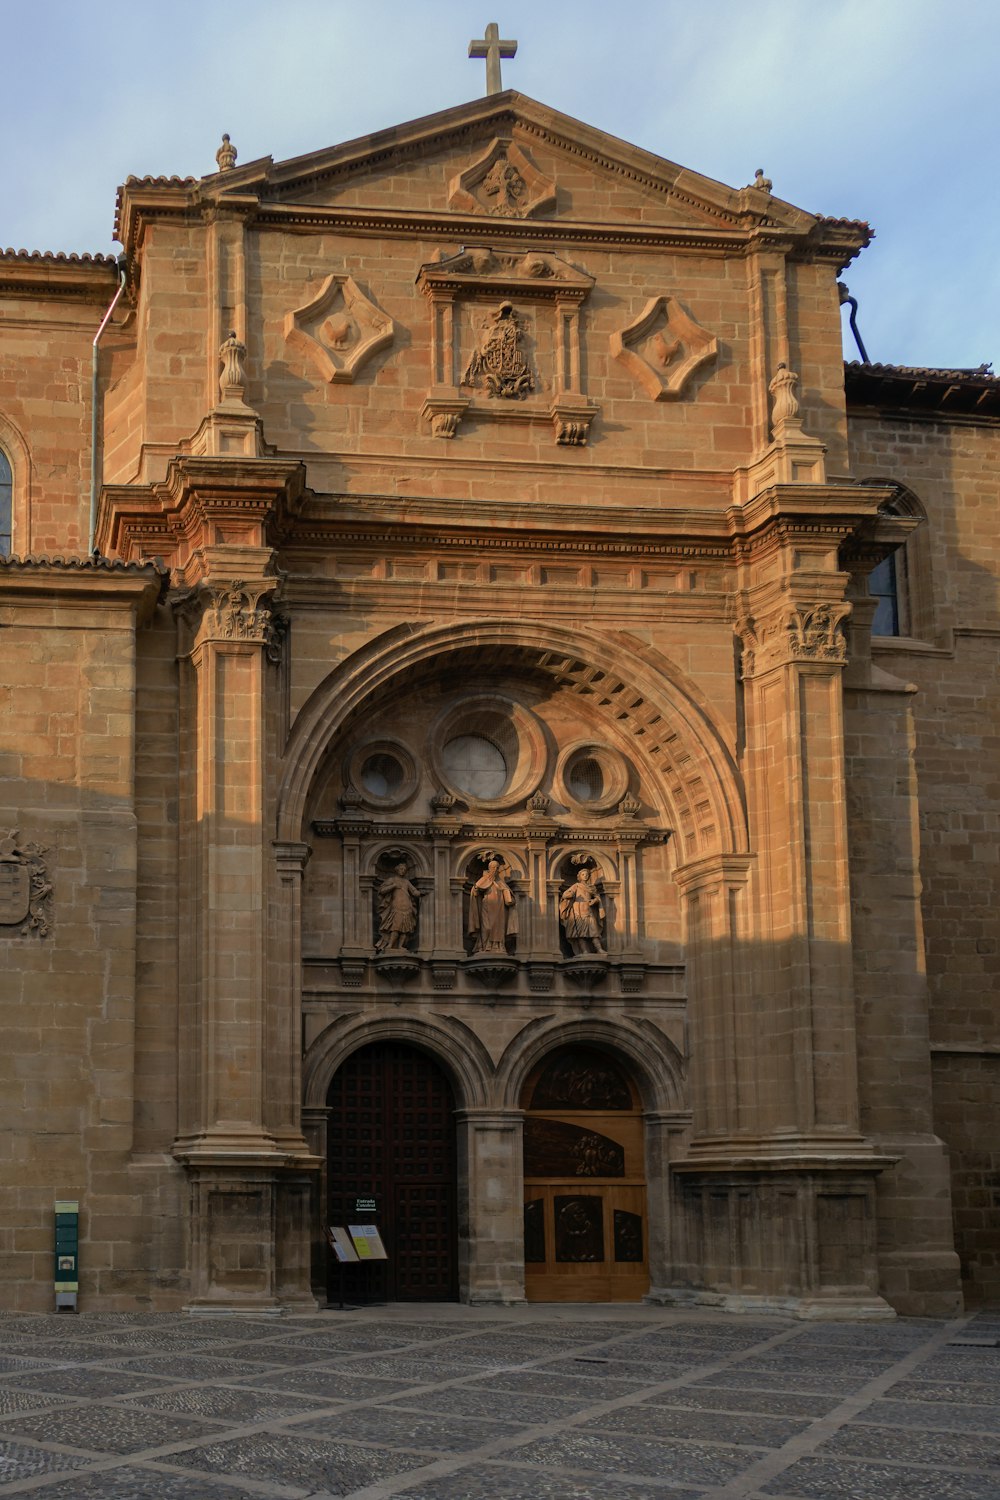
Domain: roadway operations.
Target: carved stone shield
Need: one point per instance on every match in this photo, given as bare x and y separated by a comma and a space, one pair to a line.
15, 892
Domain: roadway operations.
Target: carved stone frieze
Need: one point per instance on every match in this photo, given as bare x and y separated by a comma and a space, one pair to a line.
25, 887
663, 347
504, 183
796, 633
339, 329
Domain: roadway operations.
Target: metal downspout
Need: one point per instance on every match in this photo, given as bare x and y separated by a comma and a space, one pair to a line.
95, 457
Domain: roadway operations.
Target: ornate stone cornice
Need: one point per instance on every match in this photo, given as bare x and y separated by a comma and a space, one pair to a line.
203, 502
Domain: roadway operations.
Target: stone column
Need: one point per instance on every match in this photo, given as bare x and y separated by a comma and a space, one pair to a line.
490, 1210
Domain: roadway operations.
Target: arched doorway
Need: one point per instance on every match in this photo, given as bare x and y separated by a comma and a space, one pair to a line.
391, 1138
585, 1235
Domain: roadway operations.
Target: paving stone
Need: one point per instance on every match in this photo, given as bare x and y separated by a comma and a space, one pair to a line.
407, 1429
683, 1463
10, 1363
942, 1415
192, 1367
11, 1401
105, 1429
781, 1380
132, 1483
591, 1387
977, 1365
416, 1371
946, 1448
337, 1467
965, 1393
821, 1479
90, 1383
660, 1421
329, 1385
487, 1482
507, 1351
19, 1461
60, 1352
733, 1399
222, 1403
505, 1406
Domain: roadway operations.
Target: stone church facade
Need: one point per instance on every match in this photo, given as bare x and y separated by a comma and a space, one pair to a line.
513, 741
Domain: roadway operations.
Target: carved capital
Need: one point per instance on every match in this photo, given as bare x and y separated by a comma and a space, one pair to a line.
235, 611
798, 632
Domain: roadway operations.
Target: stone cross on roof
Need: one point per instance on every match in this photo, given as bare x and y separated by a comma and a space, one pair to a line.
492, 48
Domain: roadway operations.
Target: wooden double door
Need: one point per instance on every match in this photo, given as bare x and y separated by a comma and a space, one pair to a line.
585, 1235
391, 1139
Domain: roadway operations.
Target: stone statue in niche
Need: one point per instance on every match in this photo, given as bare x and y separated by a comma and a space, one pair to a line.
397, 910
581, 912
498, 361
492, 909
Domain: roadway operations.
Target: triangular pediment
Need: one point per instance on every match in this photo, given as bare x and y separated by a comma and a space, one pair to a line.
507, 156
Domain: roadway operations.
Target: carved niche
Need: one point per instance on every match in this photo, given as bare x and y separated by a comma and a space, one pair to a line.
663, 347
504, 182
25, 887
339, 329
505, 341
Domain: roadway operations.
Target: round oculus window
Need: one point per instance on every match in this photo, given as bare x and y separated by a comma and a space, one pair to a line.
382, 775
475, 765
585, 779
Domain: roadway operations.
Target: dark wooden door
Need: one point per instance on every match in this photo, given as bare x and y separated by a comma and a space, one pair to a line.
391, 1137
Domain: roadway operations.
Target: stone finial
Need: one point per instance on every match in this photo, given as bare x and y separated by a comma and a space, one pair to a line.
226, 155
785, 405
760, 182
233, 380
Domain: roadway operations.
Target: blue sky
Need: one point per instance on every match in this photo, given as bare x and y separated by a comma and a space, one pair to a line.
876, 109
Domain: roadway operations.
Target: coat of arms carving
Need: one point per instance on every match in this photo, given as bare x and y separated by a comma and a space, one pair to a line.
25, 888
498, 361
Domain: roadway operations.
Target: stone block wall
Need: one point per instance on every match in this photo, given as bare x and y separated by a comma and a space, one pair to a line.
955, 573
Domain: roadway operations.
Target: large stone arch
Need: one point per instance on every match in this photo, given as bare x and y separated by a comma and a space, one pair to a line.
650, 1056
457, 1049
637, 687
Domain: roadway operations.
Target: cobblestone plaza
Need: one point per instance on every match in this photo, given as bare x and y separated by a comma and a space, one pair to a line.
533, 1403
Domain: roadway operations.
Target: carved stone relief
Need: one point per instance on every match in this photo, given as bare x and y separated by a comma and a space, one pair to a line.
25, 887
663, 347
504, 183
339, 329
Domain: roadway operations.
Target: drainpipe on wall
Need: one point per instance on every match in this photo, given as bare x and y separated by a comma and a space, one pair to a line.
95, 459
852, 303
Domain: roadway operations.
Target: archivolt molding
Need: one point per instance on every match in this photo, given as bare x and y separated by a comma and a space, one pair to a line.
457, 1049
645, 695
658, 1070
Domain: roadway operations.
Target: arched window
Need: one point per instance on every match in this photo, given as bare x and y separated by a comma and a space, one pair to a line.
901, 582
6, 504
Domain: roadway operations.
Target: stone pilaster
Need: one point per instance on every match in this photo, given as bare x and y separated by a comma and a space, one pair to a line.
490, 1212
239, 1131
